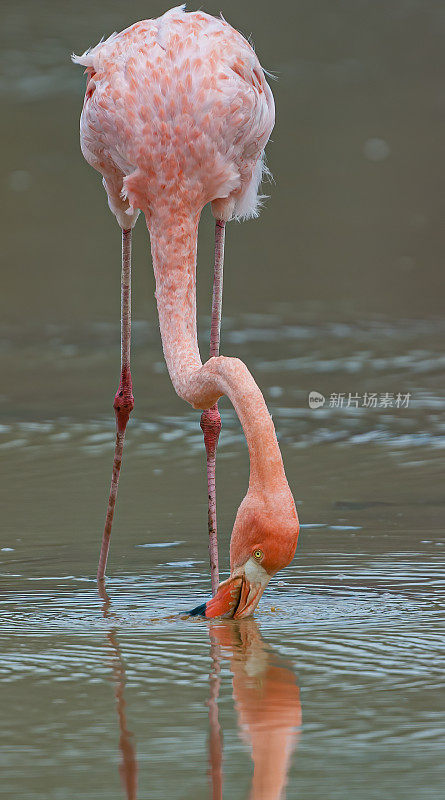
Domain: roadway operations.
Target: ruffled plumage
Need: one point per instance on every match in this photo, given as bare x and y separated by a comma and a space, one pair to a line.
177, 105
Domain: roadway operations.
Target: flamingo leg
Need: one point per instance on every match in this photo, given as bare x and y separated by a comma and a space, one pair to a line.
123, 402
210, 419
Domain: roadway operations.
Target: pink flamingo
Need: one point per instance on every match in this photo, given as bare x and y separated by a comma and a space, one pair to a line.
177, 113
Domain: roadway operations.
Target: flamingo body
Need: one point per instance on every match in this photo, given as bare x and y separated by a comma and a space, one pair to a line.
176, 106
177, 113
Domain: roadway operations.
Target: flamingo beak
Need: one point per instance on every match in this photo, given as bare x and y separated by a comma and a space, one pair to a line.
236, 597
249, 598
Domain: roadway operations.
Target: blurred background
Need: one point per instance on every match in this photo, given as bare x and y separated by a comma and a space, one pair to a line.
338, 288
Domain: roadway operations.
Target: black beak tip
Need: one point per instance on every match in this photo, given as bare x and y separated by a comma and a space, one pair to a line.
199, 611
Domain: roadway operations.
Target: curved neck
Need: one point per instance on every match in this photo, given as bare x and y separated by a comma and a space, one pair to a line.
232, 378
173, 245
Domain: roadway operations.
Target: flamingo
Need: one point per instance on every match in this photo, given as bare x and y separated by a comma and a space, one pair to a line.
177, 113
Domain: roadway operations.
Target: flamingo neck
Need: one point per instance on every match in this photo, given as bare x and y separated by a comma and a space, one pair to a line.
174, 245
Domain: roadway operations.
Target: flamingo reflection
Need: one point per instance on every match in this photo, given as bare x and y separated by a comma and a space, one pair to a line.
128, 768
267, 700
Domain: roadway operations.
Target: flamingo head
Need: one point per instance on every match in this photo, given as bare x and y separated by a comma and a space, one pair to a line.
264, 539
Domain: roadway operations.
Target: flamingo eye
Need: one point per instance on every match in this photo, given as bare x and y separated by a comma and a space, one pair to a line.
258, 554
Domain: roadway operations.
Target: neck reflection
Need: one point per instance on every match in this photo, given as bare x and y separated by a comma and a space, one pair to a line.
267, 700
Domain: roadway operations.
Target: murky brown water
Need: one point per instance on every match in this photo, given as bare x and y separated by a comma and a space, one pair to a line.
337, 288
